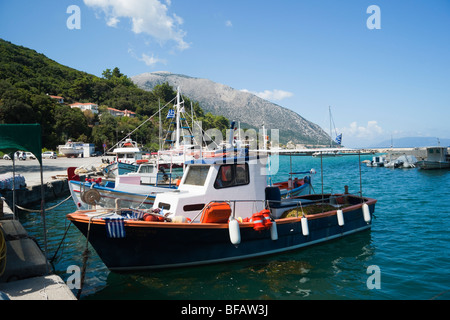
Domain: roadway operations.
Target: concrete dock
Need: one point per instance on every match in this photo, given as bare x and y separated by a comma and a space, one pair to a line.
27, 274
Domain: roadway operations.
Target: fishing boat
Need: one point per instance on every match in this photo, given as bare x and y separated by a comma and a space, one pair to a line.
134, 190
437, 158
127, 158
222, 211
72, 149
138, 190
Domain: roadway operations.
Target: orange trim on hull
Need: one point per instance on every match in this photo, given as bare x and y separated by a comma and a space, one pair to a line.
83, 217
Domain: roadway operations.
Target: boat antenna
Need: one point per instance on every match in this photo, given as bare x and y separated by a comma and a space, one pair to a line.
160, 124
360, 175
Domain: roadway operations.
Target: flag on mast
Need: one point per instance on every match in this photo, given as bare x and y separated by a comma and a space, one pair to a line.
171, 114
339, 139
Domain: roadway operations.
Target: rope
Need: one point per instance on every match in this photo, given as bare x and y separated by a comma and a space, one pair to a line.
47, 209
62, 240
86, 253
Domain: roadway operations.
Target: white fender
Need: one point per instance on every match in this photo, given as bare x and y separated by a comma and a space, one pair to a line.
273, 231
235, 232
366, 213
305, 229
340, 217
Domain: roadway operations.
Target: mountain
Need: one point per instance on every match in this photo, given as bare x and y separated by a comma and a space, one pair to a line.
413, 142
29, 80
245, 107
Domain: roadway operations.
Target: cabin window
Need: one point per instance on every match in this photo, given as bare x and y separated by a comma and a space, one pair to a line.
164, 206
232, 175
146, 169
194, 207
196, 175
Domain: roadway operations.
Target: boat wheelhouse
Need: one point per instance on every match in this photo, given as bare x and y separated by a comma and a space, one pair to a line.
437, 158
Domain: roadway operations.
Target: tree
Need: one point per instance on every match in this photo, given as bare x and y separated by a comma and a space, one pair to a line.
107, 74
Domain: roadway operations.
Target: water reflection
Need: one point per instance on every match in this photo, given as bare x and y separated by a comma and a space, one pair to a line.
312, 273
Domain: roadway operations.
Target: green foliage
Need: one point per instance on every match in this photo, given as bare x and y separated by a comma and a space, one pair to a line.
27, 78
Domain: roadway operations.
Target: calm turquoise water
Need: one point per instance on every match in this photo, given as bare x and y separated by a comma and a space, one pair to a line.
409, 242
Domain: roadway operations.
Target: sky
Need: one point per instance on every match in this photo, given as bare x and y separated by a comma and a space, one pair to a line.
382, 67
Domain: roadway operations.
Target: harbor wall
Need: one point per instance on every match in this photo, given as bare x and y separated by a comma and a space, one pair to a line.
32, 195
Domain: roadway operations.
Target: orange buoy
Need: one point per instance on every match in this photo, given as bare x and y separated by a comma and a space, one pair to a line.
267, 220
258, 221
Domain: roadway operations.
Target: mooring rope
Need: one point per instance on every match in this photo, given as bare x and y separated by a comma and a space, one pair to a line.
47, 209
85, 254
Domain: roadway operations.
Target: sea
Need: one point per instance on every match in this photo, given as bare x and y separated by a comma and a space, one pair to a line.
405, 255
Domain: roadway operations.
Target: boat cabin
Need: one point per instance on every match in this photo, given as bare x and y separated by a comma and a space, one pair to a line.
438, 154
128, 152
241, 180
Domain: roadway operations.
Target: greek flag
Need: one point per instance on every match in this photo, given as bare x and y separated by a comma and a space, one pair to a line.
171, 114
137, 214
339, 139
115, 227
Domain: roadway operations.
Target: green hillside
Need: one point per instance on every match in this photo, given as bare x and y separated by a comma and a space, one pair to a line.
28, 78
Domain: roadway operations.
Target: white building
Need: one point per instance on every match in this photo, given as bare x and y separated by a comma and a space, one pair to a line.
57, 98
86, 106
121, 113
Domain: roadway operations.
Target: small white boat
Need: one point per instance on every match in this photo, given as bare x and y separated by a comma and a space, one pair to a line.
127, 158
377, 161
72, 149
404, 161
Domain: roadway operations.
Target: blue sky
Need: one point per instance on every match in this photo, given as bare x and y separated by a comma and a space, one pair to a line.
305, 55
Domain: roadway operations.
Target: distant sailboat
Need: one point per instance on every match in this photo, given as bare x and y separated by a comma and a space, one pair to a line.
337, 140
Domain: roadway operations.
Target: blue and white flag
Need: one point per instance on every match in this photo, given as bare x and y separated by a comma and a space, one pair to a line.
115, 227
339, 139
171, 114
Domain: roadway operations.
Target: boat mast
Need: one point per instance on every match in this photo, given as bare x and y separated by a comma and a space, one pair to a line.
331, 136
160, 125
177, 141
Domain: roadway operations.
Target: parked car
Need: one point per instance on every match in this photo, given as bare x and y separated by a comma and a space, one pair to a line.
29, 155
19, 155
49, 155
96, 154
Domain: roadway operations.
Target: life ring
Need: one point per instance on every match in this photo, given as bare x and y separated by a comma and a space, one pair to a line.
261, 220
258, 222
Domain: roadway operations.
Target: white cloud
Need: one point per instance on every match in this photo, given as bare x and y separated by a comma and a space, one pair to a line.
362, 135
112, 22
274, 95
372, 130
228, 23
147, 16
150, 61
